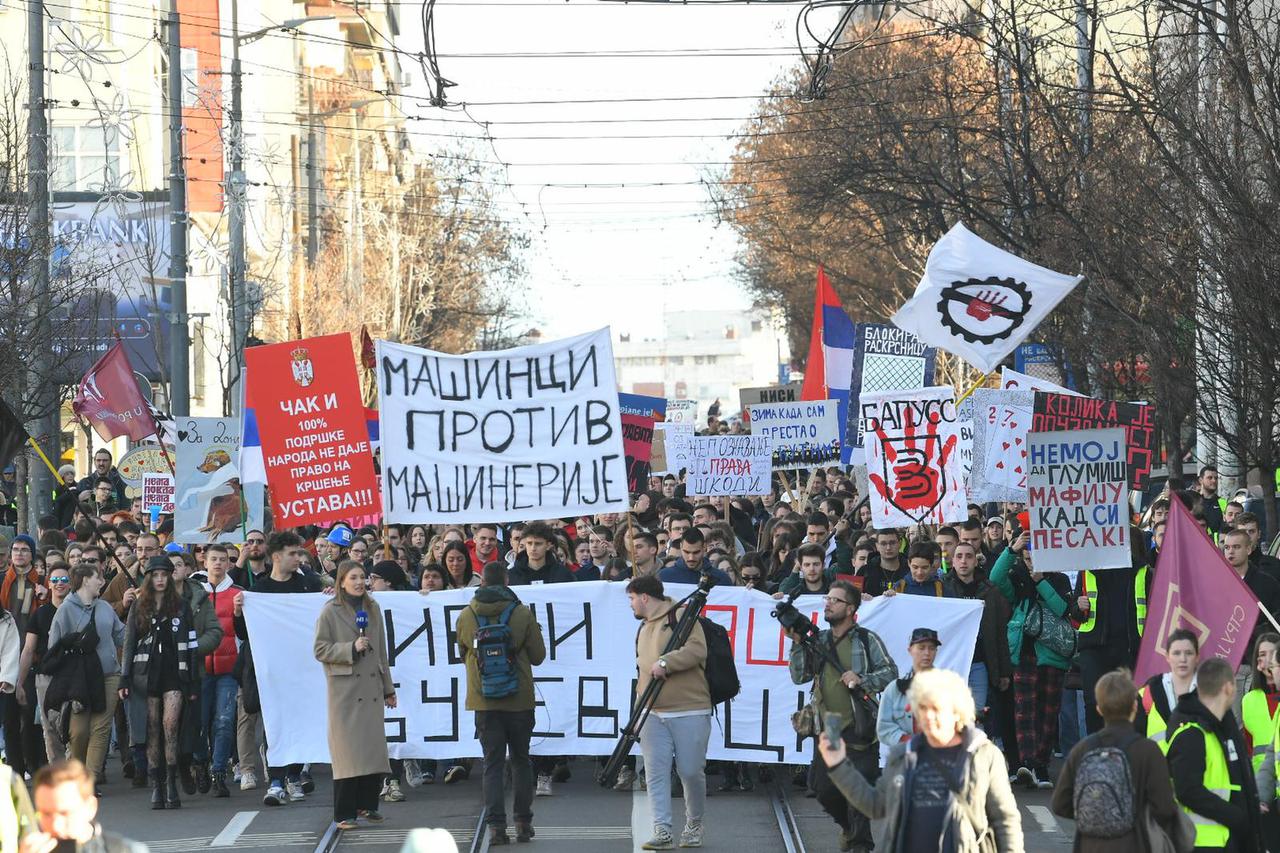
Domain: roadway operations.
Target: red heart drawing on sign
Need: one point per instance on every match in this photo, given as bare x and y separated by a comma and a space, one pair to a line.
1006, 445
1000, 465
1018, 470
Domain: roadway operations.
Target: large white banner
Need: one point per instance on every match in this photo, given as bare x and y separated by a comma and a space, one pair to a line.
530, 432
585, 687
804, 434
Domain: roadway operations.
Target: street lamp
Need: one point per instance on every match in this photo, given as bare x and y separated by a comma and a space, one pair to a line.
235, 190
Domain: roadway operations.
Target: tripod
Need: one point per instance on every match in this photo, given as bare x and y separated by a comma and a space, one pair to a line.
644, 703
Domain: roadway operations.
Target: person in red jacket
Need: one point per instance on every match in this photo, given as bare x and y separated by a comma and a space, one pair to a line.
220, 687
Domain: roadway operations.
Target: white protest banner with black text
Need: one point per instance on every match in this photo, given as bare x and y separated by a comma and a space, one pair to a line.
584, 689
804, 434
727, 465
1078, 490
530, 432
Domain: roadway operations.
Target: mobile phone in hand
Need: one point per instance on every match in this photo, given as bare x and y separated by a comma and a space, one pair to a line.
831, 726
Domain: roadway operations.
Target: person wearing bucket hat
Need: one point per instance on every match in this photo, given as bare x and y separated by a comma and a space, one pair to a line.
895, 723
159, 663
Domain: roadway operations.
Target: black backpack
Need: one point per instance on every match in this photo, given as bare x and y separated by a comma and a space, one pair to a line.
722, 672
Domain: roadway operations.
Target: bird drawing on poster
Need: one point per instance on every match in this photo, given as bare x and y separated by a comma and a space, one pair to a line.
225, 511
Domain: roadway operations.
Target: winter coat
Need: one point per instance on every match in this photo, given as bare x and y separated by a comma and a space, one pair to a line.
139, 644
553, 571
222, 660
117, 483
894, 723
527, 646
10, 648
678, 572
1149, 773
983, 806
1186, 755
1048, 595
686, 687
357, 687
204, 619
74, 660
73, 616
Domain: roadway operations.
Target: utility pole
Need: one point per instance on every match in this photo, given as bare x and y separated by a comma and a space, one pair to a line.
236, 188
312, 178
43, 394
179, 343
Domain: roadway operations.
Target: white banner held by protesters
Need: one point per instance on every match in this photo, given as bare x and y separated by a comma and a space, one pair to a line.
727, 465
978, 301
530, 432
1078, 491
585, 685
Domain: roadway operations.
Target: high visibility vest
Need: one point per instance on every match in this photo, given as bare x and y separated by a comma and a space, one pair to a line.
1259, 722
1217, 780
1139, 600
1157, 726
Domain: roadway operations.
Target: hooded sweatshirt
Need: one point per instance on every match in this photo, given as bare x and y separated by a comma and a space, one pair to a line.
527, 647
1186, 756
553, 571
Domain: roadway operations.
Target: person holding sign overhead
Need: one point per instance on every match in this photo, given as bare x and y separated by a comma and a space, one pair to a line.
352, 645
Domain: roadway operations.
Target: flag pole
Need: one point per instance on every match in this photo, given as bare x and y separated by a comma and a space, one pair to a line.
1270, 618
45, 459
982, 380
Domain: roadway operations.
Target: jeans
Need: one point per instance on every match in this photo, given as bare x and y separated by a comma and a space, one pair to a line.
978, 685
218, 720
685, 740
1071, 720
504, 737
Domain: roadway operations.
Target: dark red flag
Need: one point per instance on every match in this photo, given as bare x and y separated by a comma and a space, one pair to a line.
367, 357
110, 399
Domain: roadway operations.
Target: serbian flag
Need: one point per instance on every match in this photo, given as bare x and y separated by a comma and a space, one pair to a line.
1195, 588
830, 364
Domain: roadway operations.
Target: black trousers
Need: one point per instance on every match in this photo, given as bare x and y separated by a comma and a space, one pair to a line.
23, 739
1095, 663
867, 762
355, 794
504, 737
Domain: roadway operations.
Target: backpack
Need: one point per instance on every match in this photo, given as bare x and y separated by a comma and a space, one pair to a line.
1104, 795
495, 658
721, 671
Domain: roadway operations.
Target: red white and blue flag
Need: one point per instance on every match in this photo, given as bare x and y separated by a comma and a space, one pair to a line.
830, 364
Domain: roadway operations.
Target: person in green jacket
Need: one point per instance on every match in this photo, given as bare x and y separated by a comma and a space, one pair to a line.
505, 723
1038, 672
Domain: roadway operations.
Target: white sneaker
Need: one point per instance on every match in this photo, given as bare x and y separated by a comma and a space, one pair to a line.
661, 840
276, 796
295, 791
412, 773
393, 793
544, 787
248, 781
692, 835
626, 778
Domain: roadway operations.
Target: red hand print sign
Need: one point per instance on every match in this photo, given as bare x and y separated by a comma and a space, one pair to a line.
912, 461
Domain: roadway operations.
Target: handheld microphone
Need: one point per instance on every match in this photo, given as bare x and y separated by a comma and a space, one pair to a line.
362, 621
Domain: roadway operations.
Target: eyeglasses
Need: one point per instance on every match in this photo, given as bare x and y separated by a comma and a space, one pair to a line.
88, 559
60, 579
751, 578
831, 599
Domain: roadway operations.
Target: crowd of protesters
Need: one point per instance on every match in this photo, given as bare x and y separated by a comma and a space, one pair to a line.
167, 673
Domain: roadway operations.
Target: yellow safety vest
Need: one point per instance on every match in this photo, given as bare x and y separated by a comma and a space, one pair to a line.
1217, 780
1157, 726
1259, 722
1139, 600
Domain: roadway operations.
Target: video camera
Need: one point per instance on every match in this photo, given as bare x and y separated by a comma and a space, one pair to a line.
793, 620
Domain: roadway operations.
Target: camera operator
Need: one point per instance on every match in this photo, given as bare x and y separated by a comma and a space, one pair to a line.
865, 668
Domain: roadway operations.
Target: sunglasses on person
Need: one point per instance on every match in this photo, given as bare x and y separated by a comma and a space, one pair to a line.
59, 579
751, 578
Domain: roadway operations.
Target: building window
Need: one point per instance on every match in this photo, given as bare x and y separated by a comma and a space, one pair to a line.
710, 359
697, 359
677, 359
757, 325
199, 352
85, 158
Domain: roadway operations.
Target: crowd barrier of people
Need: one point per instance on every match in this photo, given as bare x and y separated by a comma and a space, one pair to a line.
116, 640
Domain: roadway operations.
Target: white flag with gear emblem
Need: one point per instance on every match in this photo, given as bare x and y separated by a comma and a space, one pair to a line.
978, 301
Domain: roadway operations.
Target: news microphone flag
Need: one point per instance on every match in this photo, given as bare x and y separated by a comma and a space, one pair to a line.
1195, 588
828, 370
978, 301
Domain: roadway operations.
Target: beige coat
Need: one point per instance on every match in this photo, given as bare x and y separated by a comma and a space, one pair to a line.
357, 687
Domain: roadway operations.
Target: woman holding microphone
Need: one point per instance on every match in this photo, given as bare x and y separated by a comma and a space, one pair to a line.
351, 644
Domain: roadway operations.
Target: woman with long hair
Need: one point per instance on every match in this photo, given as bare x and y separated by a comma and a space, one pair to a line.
160, 663
457, 562
358, 683
1258, 706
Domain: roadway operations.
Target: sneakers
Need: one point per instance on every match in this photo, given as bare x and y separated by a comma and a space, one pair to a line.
248, 780
296, 794
412, 772
626, 778
661, 840
456, 773
1024, 776
428, 778
370, 815
692, 835
1040, 778
347, 823
544, 787
391, 792
308, 784
276, 796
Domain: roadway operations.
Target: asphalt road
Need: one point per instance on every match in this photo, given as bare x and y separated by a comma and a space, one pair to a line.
579, 818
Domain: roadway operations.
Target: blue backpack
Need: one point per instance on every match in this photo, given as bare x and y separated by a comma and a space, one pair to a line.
495, 657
